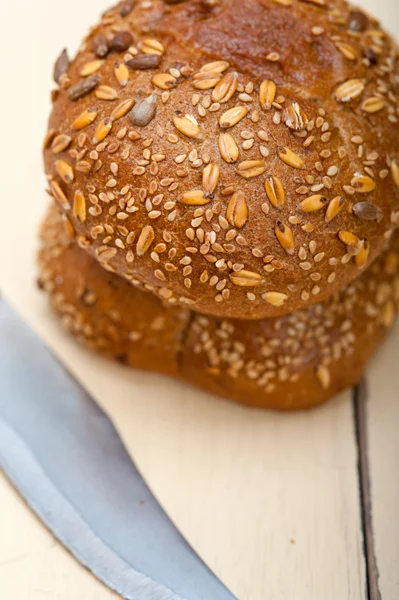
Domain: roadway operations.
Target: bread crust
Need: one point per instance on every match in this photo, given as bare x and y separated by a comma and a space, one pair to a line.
246, 220
103, 311
286, 363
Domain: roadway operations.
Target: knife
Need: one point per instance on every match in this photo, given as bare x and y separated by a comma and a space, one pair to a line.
66, 459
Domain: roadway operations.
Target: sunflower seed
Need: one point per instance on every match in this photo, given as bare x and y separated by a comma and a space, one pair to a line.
246, 278
285, 237
84, 119
60, 143
251, 168
142, 62
233, 116
237, 210
195, 198
363, 184
145, 240
275, 191
210, 178
187, 125
81, 89
100, 46
367, 211
64, 170
144, 111
289, 157
61, 66
126, 7
122, 41
358, 21
350, 90
267, 94
225, 88
79, 206
313, 203
228, 148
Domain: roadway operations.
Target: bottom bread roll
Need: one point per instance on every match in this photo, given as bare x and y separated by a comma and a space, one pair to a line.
286, 363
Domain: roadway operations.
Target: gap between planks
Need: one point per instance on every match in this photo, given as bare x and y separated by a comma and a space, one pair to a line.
360, 401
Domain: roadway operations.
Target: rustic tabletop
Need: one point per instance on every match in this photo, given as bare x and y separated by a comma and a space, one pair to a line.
306, 507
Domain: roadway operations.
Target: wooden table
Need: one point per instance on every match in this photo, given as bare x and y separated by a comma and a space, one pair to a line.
33, 565
303, 557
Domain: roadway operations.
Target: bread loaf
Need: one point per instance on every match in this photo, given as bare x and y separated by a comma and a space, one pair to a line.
240, 159
103, 311
285, 363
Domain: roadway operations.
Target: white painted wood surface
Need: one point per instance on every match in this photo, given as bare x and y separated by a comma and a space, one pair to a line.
33, 565
383, 455
270, 502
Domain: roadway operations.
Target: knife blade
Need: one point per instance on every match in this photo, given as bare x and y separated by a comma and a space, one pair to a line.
66, 459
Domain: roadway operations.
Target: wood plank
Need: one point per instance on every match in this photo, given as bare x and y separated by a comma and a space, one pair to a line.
270, 502
33, 564
383, 457
360, 394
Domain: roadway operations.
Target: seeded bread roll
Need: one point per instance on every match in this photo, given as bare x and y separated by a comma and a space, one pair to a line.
285, 363
203, 149
103, 311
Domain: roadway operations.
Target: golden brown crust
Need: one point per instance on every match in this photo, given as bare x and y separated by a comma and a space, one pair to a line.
103, 311
313, 85
285, 363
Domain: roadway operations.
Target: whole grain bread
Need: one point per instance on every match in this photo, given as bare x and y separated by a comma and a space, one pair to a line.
239, 158
286, 363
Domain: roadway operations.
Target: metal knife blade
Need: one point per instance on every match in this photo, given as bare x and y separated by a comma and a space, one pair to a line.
65, 457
